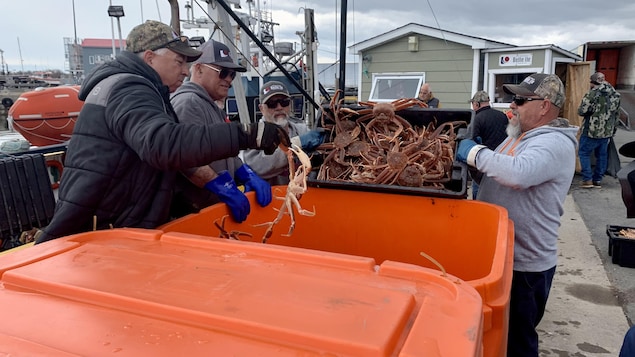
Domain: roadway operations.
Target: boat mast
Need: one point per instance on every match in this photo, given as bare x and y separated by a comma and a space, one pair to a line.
20, 51
266, 51
342, 82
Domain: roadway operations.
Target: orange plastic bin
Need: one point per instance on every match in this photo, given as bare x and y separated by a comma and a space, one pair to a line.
471, 240
130, 292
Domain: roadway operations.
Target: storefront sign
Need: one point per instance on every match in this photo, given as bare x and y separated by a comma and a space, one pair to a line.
515, 59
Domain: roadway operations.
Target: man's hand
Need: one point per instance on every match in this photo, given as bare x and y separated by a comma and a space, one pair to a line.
467, 151
253, 182
225, 188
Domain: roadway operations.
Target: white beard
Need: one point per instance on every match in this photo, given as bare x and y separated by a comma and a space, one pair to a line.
513, 128
280, 120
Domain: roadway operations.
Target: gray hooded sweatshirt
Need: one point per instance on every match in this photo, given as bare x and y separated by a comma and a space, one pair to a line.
531, 177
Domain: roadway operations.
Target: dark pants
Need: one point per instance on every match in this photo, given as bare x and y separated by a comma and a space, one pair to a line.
527, 306
598, 147
628, 346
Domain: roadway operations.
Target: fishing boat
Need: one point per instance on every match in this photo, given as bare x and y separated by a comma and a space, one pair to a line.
251, 35
46, 116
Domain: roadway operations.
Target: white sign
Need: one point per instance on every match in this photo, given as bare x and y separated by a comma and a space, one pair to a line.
515, 59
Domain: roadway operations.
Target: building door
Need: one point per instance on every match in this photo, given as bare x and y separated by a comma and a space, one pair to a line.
606, 61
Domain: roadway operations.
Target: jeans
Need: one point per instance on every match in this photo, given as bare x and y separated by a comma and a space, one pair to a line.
527, 306
599, 147
628, 346
474, 190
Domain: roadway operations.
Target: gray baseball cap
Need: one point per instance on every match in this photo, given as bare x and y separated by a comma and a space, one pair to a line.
548, 86
217, 53
272, 88
153, 35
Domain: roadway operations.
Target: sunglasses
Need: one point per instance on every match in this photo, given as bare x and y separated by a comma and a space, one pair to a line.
222, 73
521, 100
183, 39
272, 104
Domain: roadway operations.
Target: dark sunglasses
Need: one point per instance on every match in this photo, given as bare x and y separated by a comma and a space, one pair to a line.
521, 100
222, 73
183, 39
272, 104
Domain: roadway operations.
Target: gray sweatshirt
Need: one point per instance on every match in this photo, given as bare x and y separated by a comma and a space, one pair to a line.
532, 185
273, 168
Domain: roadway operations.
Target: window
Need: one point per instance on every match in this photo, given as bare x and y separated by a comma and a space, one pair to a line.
510, 78
389, 87
497, 78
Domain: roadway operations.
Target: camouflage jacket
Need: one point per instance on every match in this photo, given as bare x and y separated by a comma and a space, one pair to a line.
600, 109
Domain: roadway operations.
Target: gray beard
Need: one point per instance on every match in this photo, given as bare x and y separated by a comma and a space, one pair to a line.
283, 122
513, 130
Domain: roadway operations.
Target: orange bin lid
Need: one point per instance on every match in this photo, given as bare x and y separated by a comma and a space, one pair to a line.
133, 292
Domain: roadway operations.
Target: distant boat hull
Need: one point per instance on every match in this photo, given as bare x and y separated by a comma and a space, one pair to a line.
46, 116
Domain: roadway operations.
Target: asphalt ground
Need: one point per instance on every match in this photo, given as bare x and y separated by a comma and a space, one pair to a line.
602, 207
592, 301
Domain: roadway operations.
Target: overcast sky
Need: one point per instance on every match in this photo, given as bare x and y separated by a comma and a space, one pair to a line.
33, 31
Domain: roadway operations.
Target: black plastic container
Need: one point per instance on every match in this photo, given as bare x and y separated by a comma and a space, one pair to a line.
456, 187
621, 249
26, 197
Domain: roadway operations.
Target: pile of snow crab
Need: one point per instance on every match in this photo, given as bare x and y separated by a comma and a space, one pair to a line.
374, 145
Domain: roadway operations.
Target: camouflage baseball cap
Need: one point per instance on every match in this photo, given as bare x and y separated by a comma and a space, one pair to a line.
153, 35
480, 97
547, 86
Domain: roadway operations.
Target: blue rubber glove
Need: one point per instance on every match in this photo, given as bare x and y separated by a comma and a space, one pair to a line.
253, 182
312, 139
225, 188
467, 151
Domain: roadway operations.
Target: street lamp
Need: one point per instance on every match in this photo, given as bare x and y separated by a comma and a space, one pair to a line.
117, 11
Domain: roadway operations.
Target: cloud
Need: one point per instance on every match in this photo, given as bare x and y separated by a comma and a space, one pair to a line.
564, 23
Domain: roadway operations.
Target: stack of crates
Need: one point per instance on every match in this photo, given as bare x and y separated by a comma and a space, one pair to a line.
26, 197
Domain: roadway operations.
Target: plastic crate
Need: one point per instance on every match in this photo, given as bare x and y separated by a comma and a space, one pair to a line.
27, 200
455, 187
621, 249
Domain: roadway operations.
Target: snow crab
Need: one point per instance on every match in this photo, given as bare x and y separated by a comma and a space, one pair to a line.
295, 189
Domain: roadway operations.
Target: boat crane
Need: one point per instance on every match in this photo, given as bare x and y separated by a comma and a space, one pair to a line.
251, 39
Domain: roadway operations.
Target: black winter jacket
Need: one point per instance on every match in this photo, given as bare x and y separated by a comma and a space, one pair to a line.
489, 124
126, 149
